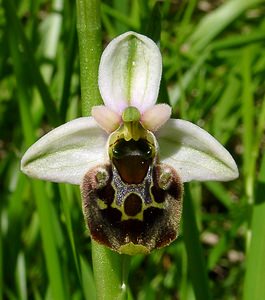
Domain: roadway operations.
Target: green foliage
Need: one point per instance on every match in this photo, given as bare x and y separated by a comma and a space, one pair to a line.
214, 69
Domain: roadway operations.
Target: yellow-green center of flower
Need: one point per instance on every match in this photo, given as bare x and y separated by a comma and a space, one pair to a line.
131, 131
132, 128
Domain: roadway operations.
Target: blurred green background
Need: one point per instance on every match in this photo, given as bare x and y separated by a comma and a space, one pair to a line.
214, 70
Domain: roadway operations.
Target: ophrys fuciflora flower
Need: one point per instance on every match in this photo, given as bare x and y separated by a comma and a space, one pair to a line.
130, 159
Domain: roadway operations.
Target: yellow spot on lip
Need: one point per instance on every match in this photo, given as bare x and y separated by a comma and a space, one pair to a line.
102, 204
133, 249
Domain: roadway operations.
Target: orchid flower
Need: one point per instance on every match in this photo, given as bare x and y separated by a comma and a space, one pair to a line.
130, 158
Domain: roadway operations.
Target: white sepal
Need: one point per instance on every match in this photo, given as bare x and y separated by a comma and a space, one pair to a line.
67, 152
130, 72
194, 153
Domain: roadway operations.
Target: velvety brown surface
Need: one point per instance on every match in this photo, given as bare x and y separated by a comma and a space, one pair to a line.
114, 225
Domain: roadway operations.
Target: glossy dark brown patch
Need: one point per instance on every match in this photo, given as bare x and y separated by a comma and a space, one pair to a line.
132, 159
108, 226
132, 168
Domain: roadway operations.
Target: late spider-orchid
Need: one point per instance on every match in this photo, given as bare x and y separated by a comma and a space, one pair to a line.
130, 158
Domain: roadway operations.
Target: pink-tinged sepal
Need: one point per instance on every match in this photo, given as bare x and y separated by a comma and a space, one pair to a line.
130, 72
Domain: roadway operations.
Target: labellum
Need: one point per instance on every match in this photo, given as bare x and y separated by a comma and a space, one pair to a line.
132, 204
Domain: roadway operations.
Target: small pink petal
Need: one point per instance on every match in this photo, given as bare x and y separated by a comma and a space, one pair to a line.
156, 116
106, 118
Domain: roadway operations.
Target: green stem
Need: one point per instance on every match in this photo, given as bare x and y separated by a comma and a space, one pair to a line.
89, 36
110, 268
111, 272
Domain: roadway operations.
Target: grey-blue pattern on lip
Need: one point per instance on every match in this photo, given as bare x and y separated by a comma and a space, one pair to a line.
122, 190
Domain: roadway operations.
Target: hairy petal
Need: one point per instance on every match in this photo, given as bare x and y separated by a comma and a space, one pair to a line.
106, 118
156, 116
130, 72
194, 153
67, 152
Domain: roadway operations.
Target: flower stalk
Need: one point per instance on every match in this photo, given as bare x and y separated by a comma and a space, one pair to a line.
89, 38
110, 272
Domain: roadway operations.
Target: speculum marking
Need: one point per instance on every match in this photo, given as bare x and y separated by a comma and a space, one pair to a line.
160, 215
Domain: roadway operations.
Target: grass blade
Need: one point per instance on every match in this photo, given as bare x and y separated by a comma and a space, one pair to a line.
42, 200
254, 288
217, 21
19, 36
196, 263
